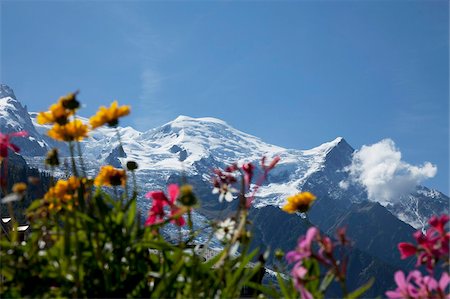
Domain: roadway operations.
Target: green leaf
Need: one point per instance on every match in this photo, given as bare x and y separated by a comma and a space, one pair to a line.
131, 207
326, 282
271, 292
283, 287
361, 290
67, 233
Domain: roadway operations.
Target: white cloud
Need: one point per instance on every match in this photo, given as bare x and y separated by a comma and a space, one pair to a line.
344, 184
380, 169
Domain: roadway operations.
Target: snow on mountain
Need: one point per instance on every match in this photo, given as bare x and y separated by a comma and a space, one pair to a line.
192, 147
14, 118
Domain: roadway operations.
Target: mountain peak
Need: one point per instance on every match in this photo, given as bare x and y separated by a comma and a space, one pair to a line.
6, 91
185, 120
327, 147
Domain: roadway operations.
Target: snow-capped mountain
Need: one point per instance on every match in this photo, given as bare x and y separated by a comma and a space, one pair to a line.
14, 118
194, 146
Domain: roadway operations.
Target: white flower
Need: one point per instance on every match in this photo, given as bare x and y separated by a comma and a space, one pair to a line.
225, 230
225, 191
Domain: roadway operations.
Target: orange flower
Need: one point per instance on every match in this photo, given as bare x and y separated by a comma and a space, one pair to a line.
110, 176
62, 193
109, 115
74, 130
57, 114
19, 188
300, 202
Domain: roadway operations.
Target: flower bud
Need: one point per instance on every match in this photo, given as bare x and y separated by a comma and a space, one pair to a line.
131, 165
187, 196
52, 158
70, 101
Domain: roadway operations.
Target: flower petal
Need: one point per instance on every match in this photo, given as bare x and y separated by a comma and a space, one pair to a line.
173, 191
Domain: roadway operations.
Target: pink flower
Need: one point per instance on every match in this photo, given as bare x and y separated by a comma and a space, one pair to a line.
431, 246
248, 173
405, 289
156, 213
272, 164
418, 286
438, 223
5, 143
406, 250
303, 249
298, 273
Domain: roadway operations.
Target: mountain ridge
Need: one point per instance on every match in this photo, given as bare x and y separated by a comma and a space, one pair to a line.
196, 145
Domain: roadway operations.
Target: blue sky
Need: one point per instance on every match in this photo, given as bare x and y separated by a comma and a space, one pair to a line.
295, 73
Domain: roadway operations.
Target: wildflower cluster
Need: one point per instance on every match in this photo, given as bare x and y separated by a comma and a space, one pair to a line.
67, 129
432, 249
225, 179
64, 192
417, 286
64, 129
156, 214
315, 248
60, 112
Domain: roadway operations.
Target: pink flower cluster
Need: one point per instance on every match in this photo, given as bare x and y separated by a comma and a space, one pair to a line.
156, 214
324, 255
223, 180
417, 286
432, 247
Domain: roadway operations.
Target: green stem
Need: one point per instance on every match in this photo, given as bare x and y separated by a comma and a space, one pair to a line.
80, 156
72, 158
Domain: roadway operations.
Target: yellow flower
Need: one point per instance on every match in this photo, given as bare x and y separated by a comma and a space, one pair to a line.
69, 101
109, 115
19, 188
57, 114
62, 193
300, 202
74, 130
110, 176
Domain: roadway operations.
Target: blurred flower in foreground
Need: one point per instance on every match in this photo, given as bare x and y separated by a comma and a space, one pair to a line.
417, 286
59, 113
110, 176
72, 131
63, 192
225, 230
52, 158
70, 101
187, 197
5, 143
222, 184
432, 247
109, 115
156, 213
19, 188
300, 202
318, 248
